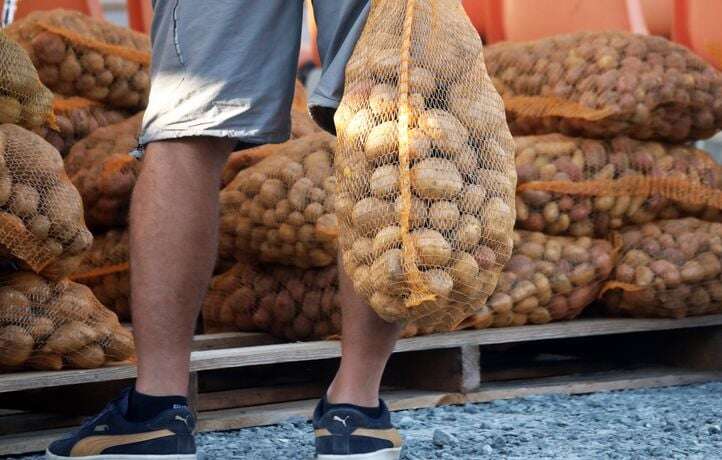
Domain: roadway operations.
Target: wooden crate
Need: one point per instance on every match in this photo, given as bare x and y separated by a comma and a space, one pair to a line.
248, 379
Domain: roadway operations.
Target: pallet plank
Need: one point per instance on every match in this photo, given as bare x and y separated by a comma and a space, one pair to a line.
309, 351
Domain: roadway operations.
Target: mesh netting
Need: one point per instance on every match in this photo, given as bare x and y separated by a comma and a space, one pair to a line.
584, 187
602, 84
424, 165
282, 209
548, 278
23, 99
104, 172
77, 55
670, 268
41, 213
75, 118
289, 303
51, 325
106, 271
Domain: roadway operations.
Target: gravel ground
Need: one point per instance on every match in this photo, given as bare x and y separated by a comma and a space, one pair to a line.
668, 423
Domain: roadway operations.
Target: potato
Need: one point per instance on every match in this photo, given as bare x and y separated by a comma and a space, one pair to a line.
45, 361
88, 357
436, 179
385, 181
431, 247
371, 213
443, 215
665, 269
70, 337
445, 131
16, 345
24, 200
382, 141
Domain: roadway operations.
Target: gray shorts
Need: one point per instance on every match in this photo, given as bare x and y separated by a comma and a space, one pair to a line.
226, 68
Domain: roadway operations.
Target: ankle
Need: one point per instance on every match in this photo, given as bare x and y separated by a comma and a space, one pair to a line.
339, 393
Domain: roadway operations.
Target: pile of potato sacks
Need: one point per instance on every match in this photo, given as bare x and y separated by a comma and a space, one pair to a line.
48, 321
623, 182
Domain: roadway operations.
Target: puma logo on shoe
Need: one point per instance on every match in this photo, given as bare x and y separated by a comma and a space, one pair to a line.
184, 420
342, 420
101, 428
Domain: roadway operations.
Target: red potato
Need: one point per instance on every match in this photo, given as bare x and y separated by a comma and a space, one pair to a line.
668, 268
605, 84
77, 57
584, 187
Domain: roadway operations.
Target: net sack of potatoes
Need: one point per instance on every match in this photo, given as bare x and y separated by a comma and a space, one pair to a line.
670, 268
23, 99
282, 209
424, 166
601, 84
77, 55
548, 278
585, 187
50, 325
106, 271
41, 213
75, 118
287, 302
104, 173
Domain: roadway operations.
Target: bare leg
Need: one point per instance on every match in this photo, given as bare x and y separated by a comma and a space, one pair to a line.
174, 233
367, 342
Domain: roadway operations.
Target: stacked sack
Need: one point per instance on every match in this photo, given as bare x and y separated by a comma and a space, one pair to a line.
627, 96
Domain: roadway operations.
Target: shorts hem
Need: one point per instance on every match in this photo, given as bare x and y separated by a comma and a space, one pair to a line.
239, 136
321, 101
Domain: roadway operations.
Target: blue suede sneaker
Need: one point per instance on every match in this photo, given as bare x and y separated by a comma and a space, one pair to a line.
344, 432
109, 436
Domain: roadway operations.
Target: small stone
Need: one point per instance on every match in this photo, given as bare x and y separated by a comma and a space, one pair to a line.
296, 420
406, 422
470, 409
498, 442
487, 449
714, 429
485, 426
442, 438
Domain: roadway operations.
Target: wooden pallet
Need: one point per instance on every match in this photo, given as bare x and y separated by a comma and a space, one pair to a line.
241, 379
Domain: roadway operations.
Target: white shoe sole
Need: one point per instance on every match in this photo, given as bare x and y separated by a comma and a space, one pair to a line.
50, 456
384, 454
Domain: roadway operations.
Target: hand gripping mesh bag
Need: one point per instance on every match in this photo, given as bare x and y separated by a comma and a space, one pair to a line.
75, 118
548, 278
50, 325
41, 213
424, 166
604, 84
104, 173
106, 271
77, 55
281, 210
585, 187
669, 268
23, 99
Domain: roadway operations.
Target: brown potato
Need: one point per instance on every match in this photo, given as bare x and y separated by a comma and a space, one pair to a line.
16, 345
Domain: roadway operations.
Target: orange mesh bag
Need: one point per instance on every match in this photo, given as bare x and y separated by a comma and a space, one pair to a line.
548, 278
669, 268
23, 99
584, 187
41, 213
77, 55
75, 118
104, 172
282, 209
603, 84
289, 303
424, 166
51, 325
106, 271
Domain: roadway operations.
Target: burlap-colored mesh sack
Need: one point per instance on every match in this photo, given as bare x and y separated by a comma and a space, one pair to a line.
106, 271
424, 165
41, 213
77, 55
602, 84
51, 325
282, 209
669, 268
75, 118
288, 303
548, 278
584, 187
104, 172
23, 99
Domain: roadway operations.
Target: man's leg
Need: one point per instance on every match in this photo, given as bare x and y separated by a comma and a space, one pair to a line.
173, 243
366, 343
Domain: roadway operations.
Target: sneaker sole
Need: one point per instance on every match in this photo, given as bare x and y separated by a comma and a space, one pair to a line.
384, 454
51, 456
